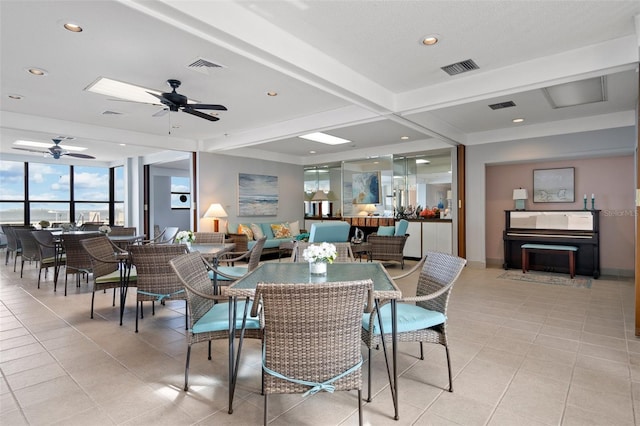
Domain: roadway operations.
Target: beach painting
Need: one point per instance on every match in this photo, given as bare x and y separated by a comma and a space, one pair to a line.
366, 188
257, 195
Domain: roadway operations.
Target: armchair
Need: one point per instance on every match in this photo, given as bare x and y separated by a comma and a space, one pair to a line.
390, 246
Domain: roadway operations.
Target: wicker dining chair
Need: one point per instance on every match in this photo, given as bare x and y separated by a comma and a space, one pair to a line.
209, 237
343, 250
78, 260
106, 261
421, 318
387, 248
208, 312
312, 337
14, 248
227, 272
155, 279
47, 248
123, 230
29, 246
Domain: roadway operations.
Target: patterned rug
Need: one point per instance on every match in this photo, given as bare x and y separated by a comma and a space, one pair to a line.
547, 278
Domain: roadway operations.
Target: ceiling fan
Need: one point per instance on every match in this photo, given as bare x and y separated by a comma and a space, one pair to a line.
177, 102
57, 151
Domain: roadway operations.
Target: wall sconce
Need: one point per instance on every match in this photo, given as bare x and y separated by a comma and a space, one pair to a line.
215, 211
519, 196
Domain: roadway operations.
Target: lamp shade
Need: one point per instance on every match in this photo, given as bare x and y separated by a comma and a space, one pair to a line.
520, 194
320, 196
215, 210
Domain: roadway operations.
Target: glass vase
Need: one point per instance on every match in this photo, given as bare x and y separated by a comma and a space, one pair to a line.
318, 268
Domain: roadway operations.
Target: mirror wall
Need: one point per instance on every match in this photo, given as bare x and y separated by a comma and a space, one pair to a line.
391, 186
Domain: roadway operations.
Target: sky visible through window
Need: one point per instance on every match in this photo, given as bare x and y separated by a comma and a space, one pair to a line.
50, 187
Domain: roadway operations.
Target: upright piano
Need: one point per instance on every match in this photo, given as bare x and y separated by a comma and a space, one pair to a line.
578, 228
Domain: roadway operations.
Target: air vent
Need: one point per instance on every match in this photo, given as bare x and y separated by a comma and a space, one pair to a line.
203, 65
111, 113
460, 67
501, 105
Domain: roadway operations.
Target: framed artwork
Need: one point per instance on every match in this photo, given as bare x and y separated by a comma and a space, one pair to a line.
257, 195
553, 185
366, 188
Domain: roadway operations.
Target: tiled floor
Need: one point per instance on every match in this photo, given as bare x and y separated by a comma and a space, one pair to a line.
522, 354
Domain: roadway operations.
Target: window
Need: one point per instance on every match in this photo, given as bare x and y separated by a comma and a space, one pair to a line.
180, 192
11, 192
118, 195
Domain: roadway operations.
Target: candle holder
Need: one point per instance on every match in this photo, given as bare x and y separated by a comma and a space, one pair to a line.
593, 204
585, 203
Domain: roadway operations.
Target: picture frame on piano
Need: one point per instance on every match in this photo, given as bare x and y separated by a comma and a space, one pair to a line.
554, 185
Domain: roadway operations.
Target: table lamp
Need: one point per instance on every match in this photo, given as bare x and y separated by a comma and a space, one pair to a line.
215, 211
319, 197
519, 196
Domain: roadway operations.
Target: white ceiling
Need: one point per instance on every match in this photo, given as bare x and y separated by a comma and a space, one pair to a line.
354, 69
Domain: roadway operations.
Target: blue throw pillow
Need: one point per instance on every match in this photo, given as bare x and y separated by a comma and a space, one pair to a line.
386, 231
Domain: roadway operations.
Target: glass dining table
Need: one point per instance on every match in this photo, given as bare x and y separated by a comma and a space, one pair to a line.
384, 289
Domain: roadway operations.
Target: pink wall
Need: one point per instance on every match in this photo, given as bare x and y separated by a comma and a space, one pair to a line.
610, 179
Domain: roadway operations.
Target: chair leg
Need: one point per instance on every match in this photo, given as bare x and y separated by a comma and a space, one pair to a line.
21, 267
6, 258
186, 315
140, 304
266, 408
40, 273
153, 308
186, 368
93, 295
369, 378
446, 348
421, 352
209, 358
360, 407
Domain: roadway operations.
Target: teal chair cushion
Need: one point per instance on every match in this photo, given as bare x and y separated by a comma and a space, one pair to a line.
217, 318
410, 318
332, 231
386, 231
402, 227
236, 271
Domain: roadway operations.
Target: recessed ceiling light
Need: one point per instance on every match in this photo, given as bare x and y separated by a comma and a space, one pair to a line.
15, 96
312, 152
324, 138
74, 28
518, 120
48, 145
37, 71
404, 138
123, 144
430, 40
422, 161
272, 93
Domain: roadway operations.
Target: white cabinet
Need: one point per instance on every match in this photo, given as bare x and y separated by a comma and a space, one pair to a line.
413, 246
436, 237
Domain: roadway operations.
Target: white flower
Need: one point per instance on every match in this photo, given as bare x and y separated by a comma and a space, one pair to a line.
324, 252
185, 236
105, 229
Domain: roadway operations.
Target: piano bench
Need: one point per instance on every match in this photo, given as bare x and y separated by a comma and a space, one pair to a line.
545, 248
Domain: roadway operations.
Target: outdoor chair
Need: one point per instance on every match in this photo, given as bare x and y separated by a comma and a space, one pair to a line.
155, 279
420, 318
209, 237
48, 251
208, 312
312, 337
106, 260
387, 243
29, 247
170, 233
78, 261
13, 244
123, 230
229, 272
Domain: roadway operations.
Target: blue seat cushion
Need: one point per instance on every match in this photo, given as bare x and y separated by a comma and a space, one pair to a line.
402, 227
410, 318
236, 271
217, 318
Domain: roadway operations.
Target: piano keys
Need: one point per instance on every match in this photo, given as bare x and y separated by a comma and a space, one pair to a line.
578, 228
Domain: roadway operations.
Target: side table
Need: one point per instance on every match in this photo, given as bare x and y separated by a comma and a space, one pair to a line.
362, 248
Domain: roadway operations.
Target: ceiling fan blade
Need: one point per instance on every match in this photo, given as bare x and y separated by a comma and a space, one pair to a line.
32, 150
208, 106
135, 102
73, 154
192, 111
